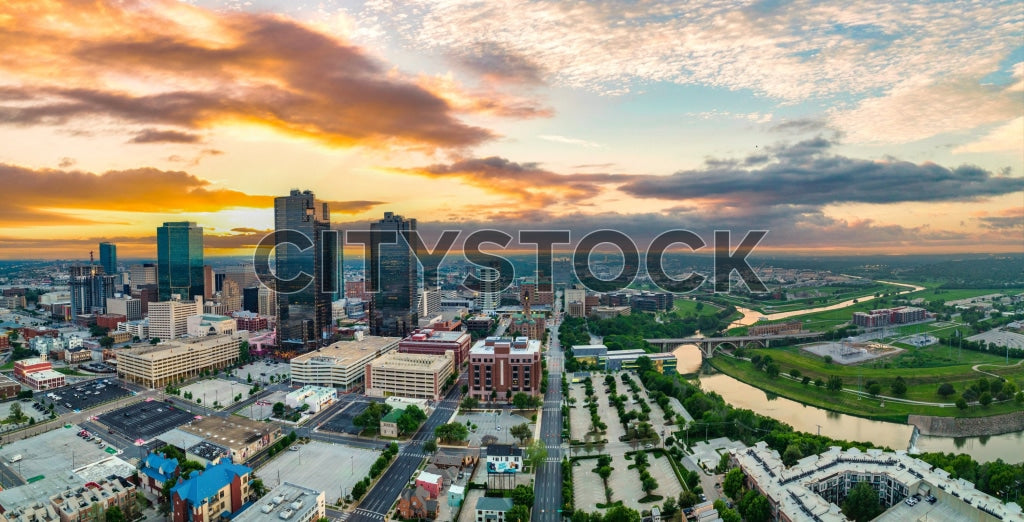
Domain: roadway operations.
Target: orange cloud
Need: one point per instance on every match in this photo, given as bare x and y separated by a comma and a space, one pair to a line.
36, 196
166, 63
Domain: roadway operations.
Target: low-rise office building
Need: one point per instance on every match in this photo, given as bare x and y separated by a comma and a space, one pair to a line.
342, 364
37, 373
169, 362
9, 388
410, 375
210, 324
315, 397
437, 342
626, 360
241, 436
289, 502
500, 365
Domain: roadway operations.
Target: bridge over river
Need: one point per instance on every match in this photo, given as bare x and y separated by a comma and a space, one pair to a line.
708, 345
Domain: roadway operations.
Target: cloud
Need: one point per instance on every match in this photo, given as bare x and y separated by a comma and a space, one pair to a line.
533, 185
1008, 219
568, 141
794, 51
498, 65
805, 172
799, 126
66, 162
196, 69
1008, 137
164, 136
50, 197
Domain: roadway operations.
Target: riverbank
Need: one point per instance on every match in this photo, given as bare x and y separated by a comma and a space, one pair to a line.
849, 401
968, 427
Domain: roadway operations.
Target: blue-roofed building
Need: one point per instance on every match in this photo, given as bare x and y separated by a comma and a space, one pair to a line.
156, 470
221, 490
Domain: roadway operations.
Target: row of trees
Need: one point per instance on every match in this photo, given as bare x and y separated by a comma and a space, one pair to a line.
378, 467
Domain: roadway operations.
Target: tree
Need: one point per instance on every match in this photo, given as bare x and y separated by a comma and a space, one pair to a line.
522, 495
874, 388
861, 503
805, 381
518, 514
985, 399
521, 431
961, 403
359, 490
621, 514
772, 370
946, 389
828, 359
257, 488
649, 484
733, 483
522, 401
794, 373
430, 446
536, 453
452, 432
16, 415
688, 499
243, 353
106, 342
604, 472
754, 507
114, 514
835, 383
898, 387
791, 455
470, 403
669, 508
819, 382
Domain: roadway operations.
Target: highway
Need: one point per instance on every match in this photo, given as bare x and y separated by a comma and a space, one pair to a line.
548, 488
379, 500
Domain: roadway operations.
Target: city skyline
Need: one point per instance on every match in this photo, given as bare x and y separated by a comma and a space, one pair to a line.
873, 128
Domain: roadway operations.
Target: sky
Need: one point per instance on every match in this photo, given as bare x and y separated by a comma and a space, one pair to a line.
875, 127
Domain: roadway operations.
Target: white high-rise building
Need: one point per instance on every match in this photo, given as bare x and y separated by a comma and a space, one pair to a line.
490, 296
169, 319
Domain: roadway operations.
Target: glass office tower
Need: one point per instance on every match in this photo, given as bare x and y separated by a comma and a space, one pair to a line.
108, 258
179, 251
304, 314
393, 272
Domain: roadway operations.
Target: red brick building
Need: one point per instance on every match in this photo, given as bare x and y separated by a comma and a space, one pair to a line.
27, 333
250, 322
437, 342
206, 495
109, 321
499, 365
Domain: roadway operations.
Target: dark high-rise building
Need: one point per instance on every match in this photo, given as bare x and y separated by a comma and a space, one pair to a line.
90, 288
304, 314
251, 299
179, 270
108, 257
393, 275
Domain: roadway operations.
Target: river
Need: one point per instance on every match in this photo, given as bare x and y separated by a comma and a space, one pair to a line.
840, 426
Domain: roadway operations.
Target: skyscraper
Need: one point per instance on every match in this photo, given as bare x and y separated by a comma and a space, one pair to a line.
304, 314
393, 273
90, 288
179, 250
108, 258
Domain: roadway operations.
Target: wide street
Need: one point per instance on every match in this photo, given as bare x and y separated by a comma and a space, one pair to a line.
548, 489
379, 500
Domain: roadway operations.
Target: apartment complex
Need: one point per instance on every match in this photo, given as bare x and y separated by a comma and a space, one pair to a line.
500, 365
169, 319
814, 488
169, 362
289, 502
888, 316
342, 364
78, 505
420, 376
437, 342
206, 495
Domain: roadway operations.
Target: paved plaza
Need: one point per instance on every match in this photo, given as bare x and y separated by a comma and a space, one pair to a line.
492, 422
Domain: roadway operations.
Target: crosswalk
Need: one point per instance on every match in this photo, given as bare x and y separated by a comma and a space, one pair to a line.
367, 513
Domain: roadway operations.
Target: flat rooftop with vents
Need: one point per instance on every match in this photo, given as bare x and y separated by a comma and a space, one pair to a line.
242, 436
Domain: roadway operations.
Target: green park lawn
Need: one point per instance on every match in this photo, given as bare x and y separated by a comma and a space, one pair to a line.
921, 386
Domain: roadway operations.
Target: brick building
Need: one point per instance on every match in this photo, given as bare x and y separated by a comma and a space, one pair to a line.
499, 365
207, 495
437, 342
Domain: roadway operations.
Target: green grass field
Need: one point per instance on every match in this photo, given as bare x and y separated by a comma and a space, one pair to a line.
684, 307
920, 383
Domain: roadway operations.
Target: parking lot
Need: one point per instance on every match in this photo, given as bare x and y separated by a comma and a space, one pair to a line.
38, 412
84, 395
261, 370
145, 420
305, 466
262, 408
217, 393
342, 422
495, 423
